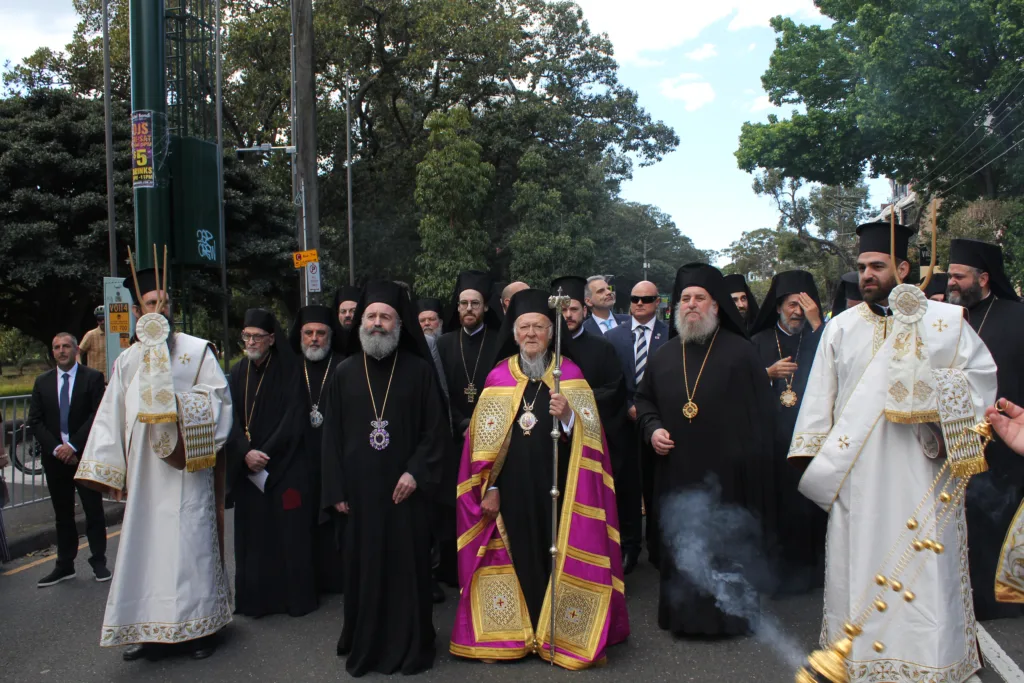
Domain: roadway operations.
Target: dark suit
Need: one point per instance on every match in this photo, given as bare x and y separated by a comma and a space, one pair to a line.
44, 419
591, 326
623, 340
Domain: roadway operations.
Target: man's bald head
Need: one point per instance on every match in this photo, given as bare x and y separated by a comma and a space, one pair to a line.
643, 301
510, 291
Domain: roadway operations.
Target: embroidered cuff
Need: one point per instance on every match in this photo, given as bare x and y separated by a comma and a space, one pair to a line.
806, 445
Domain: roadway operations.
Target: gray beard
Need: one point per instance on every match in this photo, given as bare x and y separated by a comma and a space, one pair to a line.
698, 331
253, 356
315, 355
379, 345
965, 297
793, 329
535, 367
435, 333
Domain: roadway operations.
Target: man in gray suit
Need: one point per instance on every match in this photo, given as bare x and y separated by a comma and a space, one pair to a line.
601, 299
635, 341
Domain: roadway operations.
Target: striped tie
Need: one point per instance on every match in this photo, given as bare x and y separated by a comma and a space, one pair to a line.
641, 353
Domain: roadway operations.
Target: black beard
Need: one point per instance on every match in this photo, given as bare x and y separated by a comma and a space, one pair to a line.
964, 297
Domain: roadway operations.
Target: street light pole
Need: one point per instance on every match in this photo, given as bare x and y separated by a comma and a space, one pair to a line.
348, 180
109, 135
225, 294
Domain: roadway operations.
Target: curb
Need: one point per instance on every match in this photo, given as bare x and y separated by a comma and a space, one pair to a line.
45, 538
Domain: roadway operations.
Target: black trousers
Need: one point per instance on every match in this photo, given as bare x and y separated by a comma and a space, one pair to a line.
652, 533
627, 499
60, 480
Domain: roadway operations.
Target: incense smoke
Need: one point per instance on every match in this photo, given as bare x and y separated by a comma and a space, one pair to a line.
719, 548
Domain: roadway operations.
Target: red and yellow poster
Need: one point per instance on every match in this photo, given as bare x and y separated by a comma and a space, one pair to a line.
142, 149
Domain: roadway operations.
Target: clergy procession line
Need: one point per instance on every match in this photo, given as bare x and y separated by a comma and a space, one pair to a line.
381, 449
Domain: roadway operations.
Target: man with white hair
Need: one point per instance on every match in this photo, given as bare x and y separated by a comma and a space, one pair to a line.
268, 478
705, 406
317, 336
382, 450
504, 502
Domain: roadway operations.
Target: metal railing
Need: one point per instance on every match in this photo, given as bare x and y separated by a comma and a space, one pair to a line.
26, 482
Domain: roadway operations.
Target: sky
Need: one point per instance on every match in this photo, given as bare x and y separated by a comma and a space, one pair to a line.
695, 64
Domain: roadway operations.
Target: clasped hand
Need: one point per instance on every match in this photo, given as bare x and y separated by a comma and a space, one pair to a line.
256, 460
559, 407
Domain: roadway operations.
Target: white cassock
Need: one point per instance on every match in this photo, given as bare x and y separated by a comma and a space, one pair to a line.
169, 583
870, 473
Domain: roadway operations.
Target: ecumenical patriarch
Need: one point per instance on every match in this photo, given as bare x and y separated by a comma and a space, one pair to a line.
504, 502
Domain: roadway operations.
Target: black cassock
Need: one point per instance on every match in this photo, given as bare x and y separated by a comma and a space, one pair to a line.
328, 525
993, 496
601, 368
525, 488
386, 552
479, 351
730, 439
273, 535
801, 524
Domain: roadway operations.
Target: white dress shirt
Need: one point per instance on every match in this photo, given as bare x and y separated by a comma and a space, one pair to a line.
648, 331
606, 324
72, 373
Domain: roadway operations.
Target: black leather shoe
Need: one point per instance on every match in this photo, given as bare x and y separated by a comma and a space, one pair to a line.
204, 649
133, 652
438, 593
629, 561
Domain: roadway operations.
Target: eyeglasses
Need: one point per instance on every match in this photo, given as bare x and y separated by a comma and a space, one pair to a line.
246, 338
535, 327
474, 305
643, 299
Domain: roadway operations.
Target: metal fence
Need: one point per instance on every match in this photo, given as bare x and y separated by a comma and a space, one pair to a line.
26, 482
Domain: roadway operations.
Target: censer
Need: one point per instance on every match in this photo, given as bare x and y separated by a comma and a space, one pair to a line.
965, 458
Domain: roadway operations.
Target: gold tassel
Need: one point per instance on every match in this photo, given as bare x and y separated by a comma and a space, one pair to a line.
912, 418
968, 467
202, 463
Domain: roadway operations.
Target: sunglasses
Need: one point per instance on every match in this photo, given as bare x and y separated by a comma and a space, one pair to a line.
643, 299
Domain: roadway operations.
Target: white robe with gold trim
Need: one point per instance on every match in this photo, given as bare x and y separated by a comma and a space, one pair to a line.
870, 474
169, 583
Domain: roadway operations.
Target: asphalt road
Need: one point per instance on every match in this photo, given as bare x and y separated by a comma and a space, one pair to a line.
52, 635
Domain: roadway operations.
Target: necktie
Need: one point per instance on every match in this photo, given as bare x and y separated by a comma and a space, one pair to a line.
641, 353
65, 404
607, 324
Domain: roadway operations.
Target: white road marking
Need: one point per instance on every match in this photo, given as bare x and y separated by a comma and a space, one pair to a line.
997, 659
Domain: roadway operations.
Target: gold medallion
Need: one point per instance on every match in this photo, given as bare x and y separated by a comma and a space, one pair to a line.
690, 410
788, 398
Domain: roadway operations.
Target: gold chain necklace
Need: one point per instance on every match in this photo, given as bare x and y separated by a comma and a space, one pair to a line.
246, 410
527, 421
987, 311
470, 390
690, 408
379, 437
316, 418
788, 398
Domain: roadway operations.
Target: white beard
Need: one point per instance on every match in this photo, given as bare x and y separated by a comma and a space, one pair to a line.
315, 355
698, 331
254, 356
534, 367
379, 345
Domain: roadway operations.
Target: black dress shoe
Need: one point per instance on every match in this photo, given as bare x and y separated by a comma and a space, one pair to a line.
204, 647
629, 561
133, 652
438, 593
56, 576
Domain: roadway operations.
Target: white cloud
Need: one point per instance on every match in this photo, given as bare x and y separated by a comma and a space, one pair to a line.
690, 89
762, 103
705, 51
752, 47
651, 26
27, 26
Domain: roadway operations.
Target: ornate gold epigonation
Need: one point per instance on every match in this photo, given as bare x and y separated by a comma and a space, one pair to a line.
788, 398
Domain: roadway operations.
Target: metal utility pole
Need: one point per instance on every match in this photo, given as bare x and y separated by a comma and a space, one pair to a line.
646, 264
149, 121
225, 293
348, 180
109, 135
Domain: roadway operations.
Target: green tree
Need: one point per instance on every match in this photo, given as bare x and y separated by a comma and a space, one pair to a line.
452, 185
919, 90
53, 230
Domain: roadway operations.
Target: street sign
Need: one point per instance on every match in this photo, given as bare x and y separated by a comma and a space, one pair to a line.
313, 276
301, 258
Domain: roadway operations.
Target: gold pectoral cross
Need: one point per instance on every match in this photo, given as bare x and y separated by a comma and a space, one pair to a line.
470, 392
